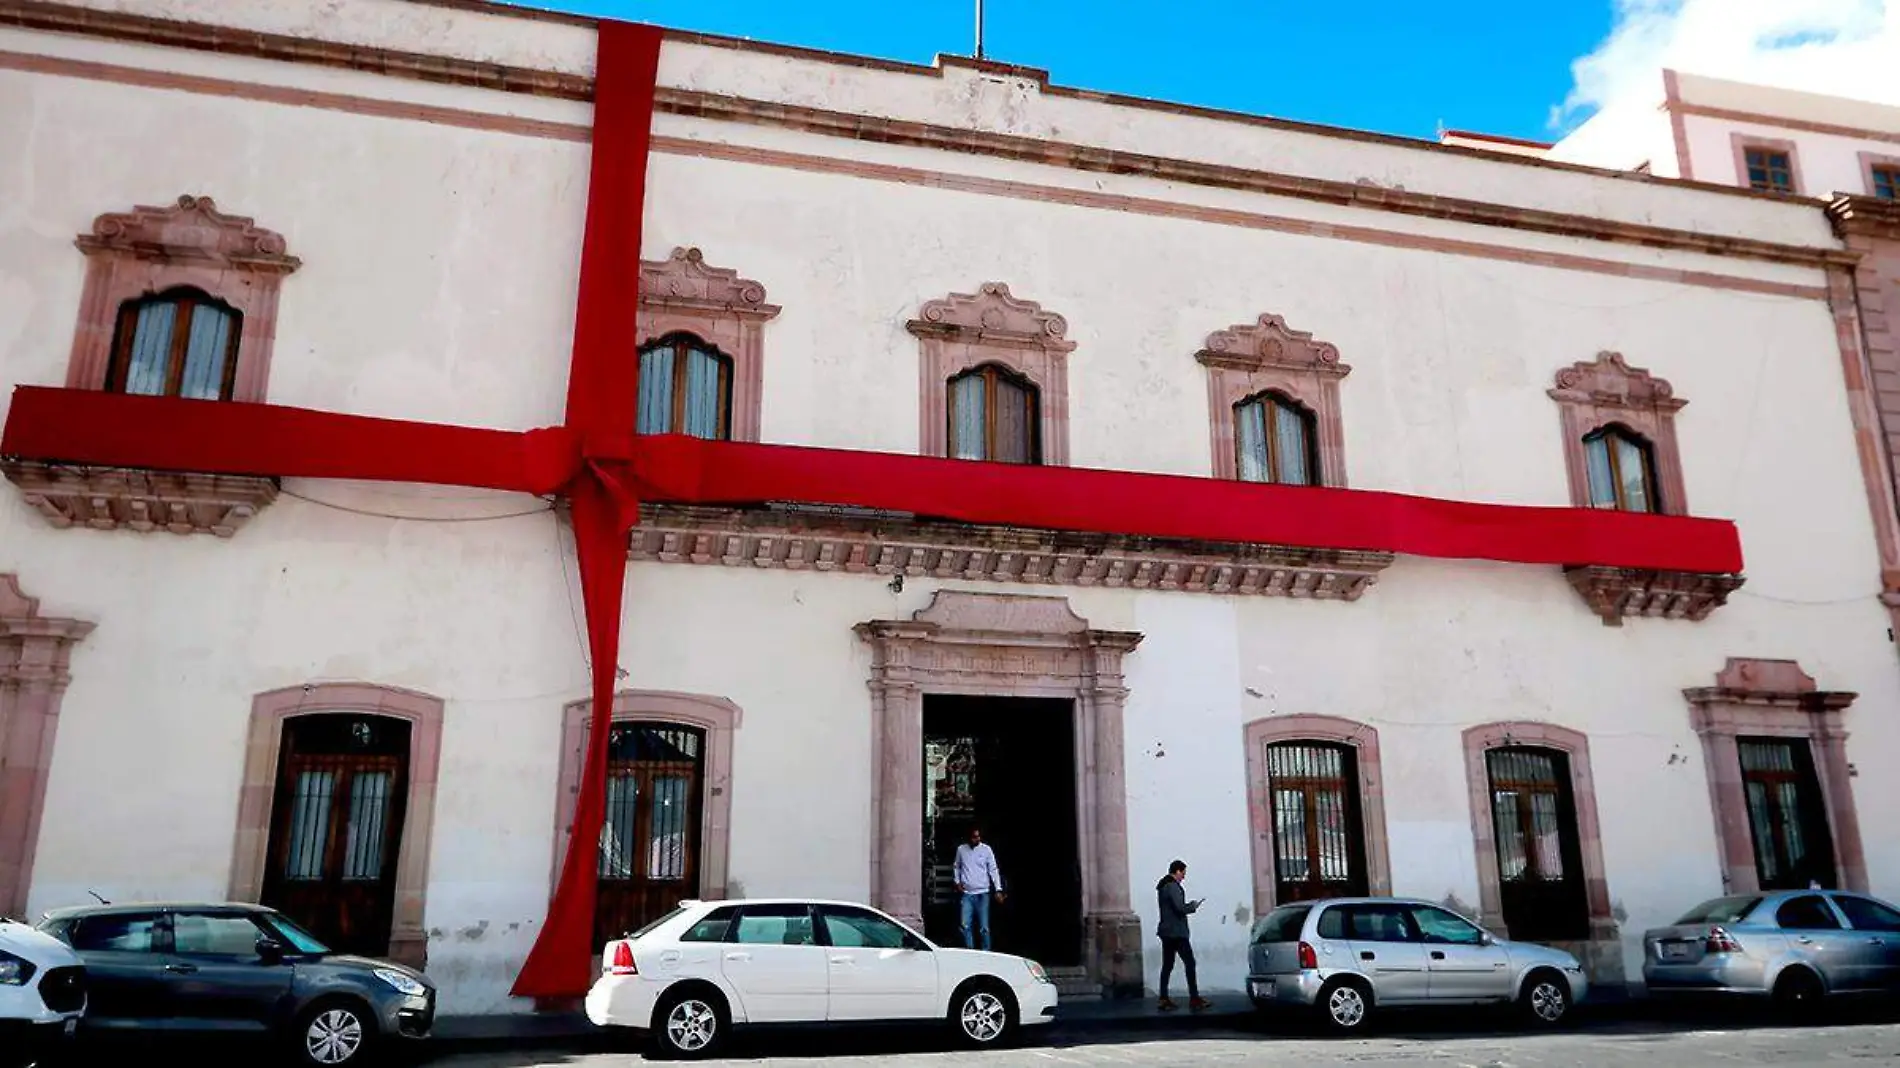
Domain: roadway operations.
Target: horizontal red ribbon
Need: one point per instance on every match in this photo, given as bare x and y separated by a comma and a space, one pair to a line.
91, 427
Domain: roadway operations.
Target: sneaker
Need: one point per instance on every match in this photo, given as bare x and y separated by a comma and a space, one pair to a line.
1167, 1005
1199, 1004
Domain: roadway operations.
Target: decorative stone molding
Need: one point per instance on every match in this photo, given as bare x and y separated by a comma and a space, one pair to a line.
1006, 645
191, 243
250, 851
1776, 699
718, 717
963, 331
1364, 740
683, 294
1618, 592
113, 498
35, 651
1865, 300
1602, 952
856, 542
1605, 391
1268, 356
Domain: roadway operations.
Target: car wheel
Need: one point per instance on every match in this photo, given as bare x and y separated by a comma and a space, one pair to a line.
1345, 1006
1546, 999
1798, 993
334, 1033
689, 1025
984, 1015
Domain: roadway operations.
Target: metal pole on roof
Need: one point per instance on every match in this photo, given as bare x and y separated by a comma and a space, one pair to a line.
979, 29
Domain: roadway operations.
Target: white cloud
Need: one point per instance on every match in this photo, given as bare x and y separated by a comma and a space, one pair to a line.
1839, 47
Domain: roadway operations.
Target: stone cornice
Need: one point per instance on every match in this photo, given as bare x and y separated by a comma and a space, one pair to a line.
864, 543
110, 498
1861, 216
1615, 593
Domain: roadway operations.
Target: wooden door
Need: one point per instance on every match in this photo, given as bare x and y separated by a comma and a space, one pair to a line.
336, 826
1540, 866
650, 838
1319, 847
1786, 817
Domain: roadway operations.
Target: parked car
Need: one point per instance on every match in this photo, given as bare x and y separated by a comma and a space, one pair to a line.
238, 968
1796, 946
1347, 957
692, 975
42, 993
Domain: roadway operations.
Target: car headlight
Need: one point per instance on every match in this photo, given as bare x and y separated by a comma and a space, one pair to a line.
15, 971
402, 983
1036, 972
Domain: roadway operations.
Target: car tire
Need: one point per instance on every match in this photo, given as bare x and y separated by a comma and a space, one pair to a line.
1545, 1000
1345, 1007
1798, 993
690, 1024
983, 1015
334, 1033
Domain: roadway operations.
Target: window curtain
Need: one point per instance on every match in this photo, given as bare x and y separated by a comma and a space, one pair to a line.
1632, 464
309, 825
1290, 430
617, 830
206, 350
703, 394
1250, 430
151, 348
967, 421
656, 391
1596, 458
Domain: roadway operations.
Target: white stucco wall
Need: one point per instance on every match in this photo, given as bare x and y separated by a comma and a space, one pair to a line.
438, 283
1828, 163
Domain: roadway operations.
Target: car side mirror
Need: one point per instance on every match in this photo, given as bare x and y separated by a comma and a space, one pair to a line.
270, 950
912, 942
1486, 938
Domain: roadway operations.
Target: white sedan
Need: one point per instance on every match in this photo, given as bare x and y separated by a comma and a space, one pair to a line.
690, 976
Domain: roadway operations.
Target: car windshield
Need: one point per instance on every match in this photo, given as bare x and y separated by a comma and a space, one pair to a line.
294, 936
1721, 910
644, 931
1281, 925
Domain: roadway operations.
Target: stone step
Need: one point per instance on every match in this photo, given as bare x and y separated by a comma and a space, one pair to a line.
1073, 984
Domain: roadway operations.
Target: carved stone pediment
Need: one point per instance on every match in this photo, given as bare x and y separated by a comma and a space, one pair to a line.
685, 281
991, 315
111, 498
1268, 343
1618, 592
1609, 382
962, 610
191, 230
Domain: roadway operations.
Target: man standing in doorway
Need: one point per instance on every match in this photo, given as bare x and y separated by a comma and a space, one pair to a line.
1175, 909
978, 878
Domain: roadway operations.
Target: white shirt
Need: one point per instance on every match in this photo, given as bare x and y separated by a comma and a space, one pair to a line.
976, 869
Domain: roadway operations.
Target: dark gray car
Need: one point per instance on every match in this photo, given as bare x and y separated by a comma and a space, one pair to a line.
237, 968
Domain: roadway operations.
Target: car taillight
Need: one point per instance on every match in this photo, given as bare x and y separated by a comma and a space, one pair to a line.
1308, 958
623, 960
1720, 942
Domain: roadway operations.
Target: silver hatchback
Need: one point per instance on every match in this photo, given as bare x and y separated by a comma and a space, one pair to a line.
1797, 946
1345, 956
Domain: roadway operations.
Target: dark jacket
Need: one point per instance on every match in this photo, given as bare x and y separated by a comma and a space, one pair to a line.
1174, 908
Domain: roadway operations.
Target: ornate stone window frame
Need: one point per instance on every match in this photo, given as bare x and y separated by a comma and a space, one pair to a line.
1006, 645
1776, 699
408, 938
683, 294
1364, 740
1607, 391
1603, 952
967, 330
1267, 356
35, 653
717, 716
144, 251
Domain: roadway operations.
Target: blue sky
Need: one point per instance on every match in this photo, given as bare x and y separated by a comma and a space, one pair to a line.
1496, 66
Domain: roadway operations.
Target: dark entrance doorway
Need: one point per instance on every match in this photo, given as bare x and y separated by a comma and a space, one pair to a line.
336, 824
649, 839
1540, 862
1786, 817
1006, 764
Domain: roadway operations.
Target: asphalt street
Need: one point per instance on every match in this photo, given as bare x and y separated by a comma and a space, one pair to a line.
1622, 1045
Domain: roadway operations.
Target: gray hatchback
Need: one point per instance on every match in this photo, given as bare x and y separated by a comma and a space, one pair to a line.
237, 968
1346, 956
1797, 946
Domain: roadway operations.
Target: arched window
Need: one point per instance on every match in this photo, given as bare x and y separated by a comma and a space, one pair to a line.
1273, 441
179, 343
993, 416
685, 388
1622, 470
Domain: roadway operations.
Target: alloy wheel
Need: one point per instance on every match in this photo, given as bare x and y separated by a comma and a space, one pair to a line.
1548, 1002
984, 1016
691, 1025
1346, 1006
333, 1037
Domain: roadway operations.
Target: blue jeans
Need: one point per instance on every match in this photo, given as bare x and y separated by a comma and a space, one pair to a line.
975, 906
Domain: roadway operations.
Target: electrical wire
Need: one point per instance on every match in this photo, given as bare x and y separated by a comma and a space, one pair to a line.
547, 506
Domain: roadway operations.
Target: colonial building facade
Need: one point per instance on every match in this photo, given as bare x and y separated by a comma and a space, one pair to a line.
366, 703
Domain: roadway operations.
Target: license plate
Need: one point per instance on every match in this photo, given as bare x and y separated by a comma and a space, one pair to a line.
72, 1026
1675, 950
1263, 988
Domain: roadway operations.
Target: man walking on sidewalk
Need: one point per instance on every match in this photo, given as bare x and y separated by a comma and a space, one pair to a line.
977, 877
1173, 929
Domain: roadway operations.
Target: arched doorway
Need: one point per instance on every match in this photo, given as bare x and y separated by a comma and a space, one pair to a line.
340, 801
650, 837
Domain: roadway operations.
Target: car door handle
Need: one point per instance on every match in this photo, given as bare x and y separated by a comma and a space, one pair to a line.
1876, 942
1805, 941
182, 969
1438, 954
1366, 956
841, 960
738, 956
